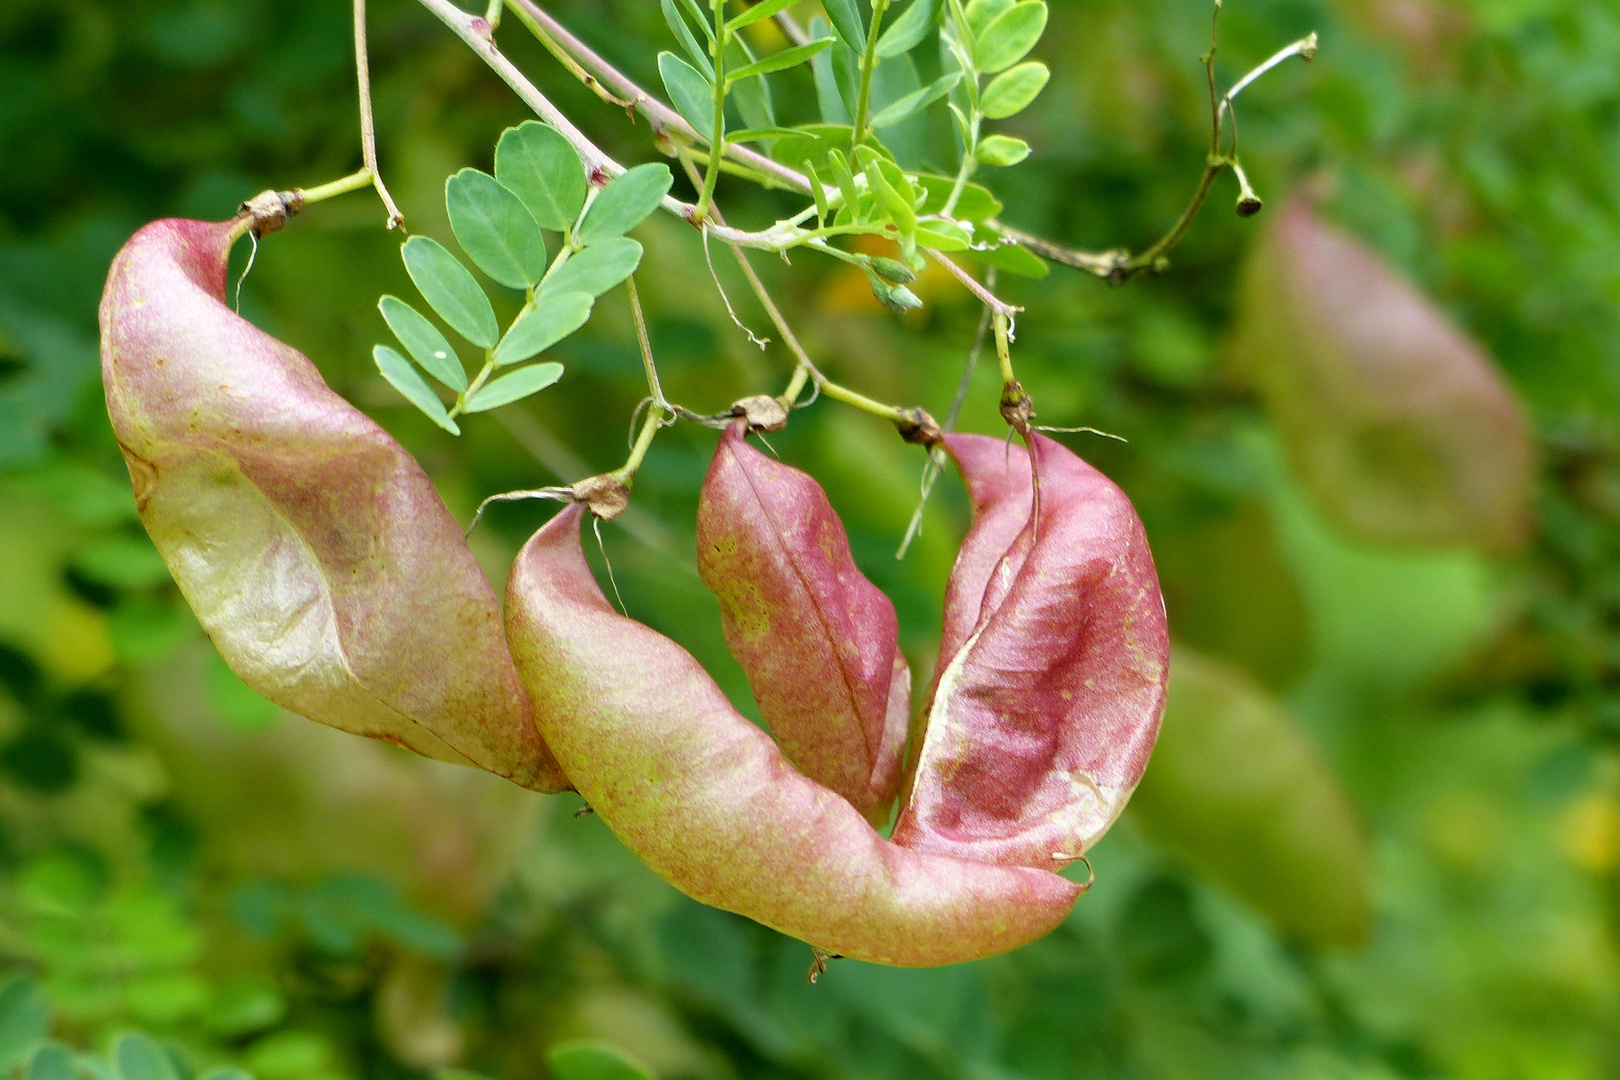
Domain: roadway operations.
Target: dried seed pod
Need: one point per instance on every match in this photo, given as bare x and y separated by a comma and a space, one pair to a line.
311, 546
707, 800
1052, 671
816, 638
1396, 421
1238, 787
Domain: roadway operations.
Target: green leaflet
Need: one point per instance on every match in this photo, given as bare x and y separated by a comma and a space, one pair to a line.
450, 290
495, 229
625, 203
538, 164
553, 317
404, 378
423, 341
514, 387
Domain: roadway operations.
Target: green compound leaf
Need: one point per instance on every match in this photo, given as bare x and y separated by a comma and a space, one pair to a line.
495, 229
908, 31
583, 1060
683, 33
25, 1017
1013, 259
625, 203
450, 290
1002, 150
780, 61
138, 1057
554, 316
845, 16
692, 94
423, 341
538, 164
597, 269
1009, 38
404, 378
916, 101
52, 1061
981, 13
1011, 92
514, 387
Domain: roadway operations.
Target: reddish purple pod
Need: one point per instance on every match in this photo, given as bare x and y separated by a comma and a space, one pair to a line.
1052, 675
815, 637
312, 547
709, 802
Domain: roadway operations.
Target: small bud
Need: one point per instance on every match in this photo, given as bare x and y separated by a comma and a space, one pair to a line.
1307, 50
892, 271
897, 298
1248, 203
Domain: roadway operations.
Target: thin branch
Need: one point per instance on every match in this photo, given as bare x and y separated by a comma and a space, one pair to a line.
986, 297
664, 119
474, 31
368, 129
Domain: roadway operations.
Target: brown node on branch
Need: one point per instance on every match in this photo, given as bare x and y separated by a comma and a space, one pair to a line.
916, 426
763, 412
606, 496
271, 209
1017, 408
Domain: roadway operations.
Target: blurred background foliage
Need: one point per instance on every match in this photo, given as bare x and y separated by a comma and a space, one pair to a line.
1382, 838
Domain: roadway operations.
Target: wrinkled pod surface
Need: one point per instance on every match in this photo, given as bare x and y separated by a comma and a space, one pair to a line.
707, 799
817, 640
1035, 741
312, 547
1053, 665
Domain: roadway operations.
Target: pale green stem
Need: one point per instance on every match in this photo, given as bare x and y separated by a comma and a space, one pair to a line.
863, 101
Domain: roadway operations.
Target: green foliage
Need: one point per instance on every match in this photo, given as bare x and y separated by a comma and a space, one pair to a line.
1468, 708
538, 163
450, 289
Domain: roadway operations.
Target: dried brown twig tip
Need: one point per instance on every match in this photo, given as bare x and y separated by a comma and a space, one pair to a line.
606, 496
920, 428
1017, 408
763, 412
271, 209
818, 964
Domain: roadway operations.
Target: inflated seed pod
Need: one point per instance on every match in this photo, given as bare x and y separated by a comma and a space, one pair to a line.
708, 801
1051, 678
1399, 424
815, 637
1238, 788
313, 549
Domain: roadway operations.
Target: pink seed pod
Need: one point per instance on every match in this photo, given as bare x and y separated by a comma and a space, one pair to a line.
1399, 424
816, 638
311, 546
1051, 681
708, 801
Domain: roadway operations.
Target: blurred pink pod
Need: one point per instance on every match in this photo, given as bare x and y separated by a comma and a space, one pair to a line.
312, 547
816, 638
1398, 423
709, 802
1052, 671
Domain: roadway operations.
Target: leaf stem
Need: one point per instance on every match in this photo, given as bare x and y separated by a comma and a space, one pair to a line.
368, 128
717, 140
869, 62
